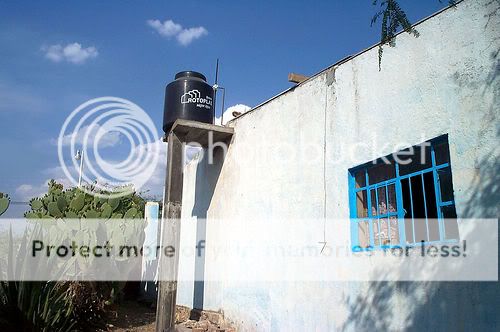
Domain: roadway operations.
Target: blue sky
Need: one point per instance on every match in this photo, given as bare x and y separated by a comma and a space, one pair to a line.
258, 43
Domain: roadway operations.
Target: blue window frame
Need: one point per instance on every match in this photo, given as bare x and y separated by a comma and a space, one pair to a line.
404, 199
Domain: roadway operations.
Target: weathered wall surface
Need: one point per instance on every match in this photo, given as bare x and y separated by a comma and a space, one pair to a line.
444, 82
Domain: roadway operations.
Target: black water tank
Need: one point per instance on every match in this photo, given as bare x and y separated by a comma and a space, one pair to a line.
188, 97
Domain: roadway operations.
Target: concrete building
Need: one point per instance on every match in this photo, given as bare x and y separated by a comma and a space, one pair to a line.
441, 85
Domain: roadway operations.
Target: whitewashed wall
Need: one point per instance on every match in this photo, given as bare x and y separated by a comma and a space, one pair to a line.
445, 81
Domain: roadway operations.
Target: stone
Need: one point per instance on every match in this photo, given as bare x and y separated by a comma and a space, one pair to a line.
181, 314
214, 317
204, 324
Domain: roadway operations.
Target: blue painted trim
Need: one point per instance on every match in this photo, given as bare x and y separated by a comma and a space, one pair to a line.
412, 213
378, 216
425, 207
399, 208
399, 201
369, 206
352, 210
433, 141
437, 190
401, 177
388, 218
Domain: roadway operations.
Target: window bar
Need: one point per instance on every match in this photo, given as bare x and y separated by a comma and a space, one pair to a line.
425, 206
399, 207
378, 217
438, 167
437, 191
369, 205
388, 213
411, 204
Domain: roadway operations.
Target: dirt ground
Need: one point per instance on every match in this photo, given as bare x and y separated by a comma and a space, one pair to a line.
131, 317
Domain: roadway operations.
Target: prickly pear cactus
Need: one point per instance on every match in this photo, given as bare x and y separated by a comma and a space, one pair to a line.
73, 203
77, 202
4, 203
68, 212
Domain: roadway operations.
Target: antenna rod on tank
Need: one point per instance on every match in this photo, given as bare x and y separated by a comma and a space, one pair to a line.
217, 71
215, 88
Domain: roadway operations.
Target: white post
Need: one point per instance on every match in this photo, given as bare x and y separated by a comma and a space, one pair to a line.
80, 155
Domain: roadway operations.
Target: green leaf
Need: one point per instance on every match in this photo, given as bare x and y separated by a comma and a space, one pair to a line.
71, 215
54, 210
36, 204
62, 204
130, 213
31, 215
41, 305
4, 205
78, 202
107, 210
114, 203
92, 214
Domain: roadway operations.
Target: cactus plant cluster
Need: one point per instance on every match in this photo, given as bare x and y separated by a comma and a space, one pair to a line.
4, 203
73, 203
61, 207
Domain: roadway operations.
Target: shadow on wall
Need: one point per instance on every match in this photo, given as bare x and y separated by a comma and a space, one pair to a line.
485, 195
434, 306
206, 180
457, 306
424, 305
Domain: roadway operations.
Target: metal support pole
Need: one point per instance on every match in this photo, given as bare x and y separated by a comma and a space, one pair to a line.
168, 266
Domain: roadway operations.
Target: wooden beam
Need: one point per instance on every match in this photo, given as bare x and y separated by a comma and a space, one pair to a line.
296, 78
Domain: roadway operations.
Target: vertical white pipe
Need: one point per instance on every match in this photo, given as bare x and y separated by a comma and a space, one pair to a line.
81, 170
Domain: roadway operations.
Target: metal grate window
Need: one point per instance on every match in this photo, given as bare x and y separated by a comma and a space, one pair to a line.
404, 199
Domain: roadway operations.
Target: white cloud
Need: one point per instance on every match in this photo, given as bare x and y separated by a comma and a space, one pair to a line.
26, 192
73, 53
166, 29
184, 36
93, 132
228, 114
